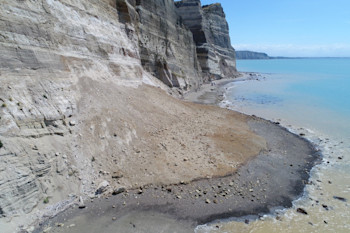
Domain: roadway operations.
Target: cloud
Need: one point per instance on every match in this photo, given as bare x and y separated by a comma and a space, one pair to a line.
316, 50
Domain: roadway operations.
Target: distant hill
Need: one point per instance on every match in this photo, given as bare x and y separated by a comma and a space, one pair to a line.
241, 55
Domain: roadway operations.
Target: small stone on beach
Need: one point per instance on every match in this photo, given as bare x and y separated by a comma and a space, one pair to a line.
340, 198
302, 211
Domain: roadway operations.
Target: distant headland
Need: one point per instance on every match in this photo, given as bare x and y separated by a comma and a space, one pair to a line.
251, 55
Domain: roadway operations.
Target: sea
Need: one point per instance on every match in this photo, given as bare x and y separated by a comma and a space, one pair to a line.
310, 97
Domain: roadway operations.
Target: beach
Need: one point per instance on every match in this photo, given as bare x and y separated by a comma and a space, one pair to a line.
272, 179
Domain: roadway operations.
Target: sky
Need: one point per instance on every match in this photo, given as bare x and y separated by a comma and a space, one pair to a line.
305, 28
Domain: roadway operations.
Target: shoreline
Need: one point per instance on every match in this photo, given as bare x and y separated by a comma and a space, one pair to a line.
213, 94
274, 178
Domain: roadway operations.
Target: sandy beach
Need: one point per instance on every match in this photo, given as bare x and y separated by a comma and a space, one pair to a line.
270, 180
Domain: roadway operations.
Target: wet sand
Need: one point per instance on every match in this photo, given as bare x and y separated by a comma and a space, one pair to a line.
271, 180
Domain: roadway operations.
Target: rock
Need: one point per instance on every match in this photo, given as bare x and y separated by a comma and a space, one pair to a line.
118, 190
325, 206
114, 218
302, 211
81, 203
117, 175
140, 191
72, 123
102, 187
60, 224
340, 198
207, 201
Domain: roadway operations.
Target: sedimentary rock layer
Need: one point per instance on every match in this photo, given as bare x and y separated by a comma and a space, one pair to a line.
211, 35
46, 47
166, 47
75, 111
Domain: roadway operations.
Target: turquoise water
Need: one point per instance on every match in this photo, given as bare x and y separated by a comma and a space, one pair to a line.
299, 89
310, 97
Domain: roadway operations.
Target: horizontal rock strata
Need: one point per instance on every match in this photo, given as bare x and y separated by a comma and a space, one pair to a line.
75, 109
211, 35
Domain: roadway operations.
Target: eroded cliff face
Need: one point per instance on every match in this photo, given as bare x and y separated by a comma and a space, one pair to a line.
211, 35
166, 47
46, 48
181, 43
75, 109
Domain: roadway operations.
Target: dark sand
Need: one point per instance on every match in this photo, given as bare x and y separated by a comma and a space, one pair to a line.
271, 180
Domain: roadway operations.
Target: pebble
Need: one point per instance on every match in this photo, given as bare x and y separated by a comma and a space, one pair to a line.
81, 203
118, 190
302, 211
340, 198
114, 218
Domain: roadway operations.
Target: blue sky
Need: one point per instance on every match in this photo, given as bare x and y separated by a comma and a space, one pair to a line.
289, 27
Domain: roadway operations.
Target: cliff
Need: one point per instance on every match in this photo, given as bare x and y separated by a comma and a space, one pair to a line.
242, 55
211, 35
166, 47
48, 49
81, 101
182, 44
